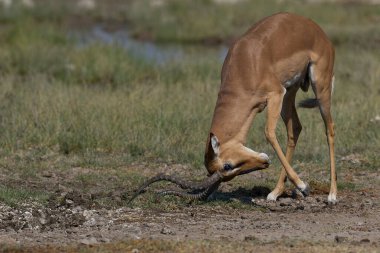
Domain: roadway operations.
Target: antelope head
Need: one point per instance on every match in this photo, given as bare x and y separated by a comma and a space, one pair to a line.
232, 158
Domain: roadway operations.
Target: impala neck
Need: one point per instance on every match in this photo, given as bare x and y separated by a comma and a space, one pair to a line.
232, 117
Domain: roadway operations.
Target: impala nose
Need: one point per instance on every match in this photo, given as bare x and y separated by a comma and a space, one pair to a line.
264, 157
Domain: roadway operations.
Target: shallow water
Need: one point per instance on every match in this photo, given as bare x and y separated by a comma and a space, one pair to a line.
146, 50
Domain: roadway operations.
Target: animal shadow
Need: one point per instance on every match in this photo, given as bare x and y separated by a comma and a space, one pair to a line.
241, 194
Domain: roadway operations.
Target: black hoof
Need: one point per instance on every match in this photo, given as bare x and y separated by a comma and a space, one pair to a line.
306, 191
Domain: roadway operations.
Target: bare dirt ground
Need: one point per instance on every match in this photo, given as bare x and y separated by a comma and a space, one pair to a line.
70, 218
354, 219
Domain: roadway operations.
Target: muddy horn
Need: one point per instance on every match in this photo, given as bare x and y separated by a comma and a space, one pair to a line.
205, 185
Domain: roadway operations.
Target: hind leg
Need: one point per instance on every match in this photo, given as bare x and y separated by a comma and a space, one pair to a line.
323, 88
293, 127
325, 108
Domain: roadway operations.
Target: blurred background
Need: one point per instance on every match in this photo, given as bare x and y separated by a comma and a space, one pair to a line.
111, 84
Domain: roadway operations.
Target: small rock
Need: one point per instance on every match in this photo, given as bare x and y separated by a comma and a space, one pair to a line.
352, 158
87, 214
285, 202
365, 240
77, 209
43, 221
89, 241
105, 240
47, 174
250, 238
69, 202
340, 239
91, 222
300, 207
167, 231
28, 216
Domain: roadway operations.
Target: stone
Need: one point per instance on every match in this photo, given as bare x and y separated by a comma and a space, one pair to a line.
340, 239
167, 231
89, 241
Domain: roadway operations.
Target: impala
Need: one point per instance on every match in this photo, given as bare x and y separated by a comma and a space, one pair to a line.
264, 69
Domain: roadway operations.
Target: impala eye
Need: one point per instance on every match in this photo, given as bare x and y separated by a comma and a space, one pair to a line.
227, 166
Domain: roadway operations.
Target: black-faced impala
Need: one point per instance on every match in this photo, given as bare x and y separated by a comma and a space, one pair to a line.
265, 68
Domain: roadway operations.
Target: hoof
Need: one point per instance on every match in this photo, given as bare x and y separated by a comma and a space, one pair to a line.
305, 189
331, 199
272, 197
297, 194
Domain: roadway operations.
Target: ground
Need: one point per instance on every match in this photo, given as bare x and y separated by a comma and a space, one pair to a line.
71, 220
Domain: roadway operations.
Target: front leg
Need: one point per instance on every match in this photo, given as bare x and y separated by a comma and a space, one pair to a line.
274, 108
293, 127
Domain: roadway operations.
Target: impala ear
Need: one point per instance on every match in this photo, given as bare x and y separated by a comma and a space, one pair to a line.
214, 144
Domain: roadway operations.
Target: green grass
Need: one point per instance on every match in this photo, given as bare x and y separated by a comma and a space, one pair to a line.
175, 20
12, 196
99, 107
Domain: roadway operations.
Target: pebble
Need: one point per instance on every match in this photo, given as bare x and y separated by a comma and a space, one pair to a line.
167, 231
89, 241
340, 239
42, 221
105, 240
285, 202
250, 238
69, 202
28, 216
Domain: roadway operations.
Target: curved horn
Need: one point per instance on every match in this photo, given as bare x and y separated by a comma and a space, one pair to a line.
184, 185
201, 196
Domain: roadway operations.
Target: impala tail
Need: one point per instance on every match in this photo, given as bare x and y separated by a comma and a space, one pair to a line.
309, 102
